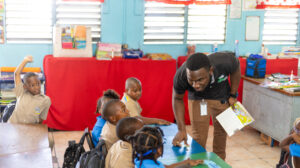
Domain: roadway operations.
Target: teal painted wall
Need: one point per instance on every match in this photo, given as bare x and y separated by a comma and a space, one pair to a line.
122, 22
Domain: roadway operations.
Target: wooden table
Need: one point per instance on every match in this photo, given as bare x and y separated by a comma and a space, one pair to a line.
24, 145
16, 138
274, 110
39, 158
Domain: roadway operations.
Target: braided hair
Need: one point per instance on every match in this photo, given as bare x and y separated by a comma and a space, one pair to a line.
146, 142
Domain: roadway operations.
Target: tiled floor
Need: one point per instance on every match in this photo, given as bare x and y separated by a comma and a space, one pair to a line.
244, 149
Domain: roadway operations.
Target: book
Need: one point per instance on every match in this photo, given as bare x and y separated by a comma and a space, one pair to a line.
106, 51
234, 120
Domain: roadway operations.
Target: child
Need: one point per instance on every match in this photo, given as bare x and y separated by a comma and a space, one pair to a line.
133, 92
120, 154
32, 106
113, 111
107, 95
291, 144
147, 146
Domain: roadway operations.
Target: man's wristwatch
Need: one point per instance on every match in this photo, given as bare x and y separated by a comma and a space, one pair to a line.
233, 95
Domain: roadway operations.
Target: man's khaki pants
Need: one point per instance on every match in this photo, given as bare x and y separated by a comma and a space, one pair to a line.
200, 125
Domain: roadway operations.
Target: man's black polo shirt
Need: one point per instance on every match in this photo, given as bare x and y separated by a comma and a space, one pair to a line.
224, 63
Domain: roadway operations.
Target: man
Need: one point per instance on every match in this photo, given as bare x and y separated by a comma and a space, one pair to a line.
206, 79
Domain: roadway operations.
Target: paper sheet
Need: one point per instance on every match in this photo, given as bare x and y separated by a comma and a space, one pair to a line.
229, 121
234, 120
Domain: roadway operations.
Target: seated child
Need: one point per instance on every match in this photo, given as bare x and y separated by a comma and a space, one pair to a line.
291, 144
133, 92
147, 144
113, 111
32, 106
120, 154
107, 95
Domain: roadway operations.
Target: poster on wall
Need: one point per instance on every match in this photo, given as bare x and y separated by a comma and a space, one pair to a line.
252, 28
249, 4
1, 6
235, 9
1, 30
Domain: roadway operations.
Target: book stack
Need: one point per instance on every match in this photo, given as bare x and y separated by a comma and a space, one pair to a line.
7, 94
107, 51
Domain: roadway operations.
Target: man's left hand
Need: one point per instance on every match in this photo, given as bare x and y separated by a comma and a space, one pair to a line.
231, 101
162, 122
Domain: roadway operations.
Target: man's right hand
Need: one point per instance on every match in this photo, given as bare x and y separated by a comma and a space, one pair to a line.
28, 58
179, 137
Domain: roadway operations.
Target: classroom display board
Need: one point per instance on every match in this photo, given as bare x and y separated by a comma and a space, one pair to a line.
68, 42
75, 84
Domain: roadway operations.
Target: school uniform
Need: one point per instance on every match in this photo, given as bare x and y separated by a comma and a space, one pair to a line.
119, 155
96, 132
294, 150
109, 134
30, 109
147, 163
132, 105
216, 94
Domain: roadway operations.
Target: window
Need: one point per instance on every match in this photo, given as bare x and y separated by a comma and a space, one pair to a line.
206, 24
28, 21
80, 13
163, 23
179, 24
280, 26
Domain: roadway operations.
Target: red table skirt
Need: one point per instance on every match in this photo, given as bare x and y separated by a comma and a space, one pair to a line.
284, 66
75, 84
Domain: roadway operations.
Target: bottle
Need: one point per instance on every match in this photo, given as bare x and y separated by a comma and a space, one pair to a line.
291, 77
112, 53
236, 49
266, 53
215, 48
262, 50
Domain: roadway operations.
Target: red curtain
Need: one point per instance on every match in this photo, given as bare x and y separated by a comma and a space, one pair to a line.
262, 4
210, 2
197, 2
86, 0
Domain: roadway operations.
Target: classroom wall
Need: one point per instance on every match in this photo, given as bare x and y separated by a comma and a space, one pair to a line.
123, 21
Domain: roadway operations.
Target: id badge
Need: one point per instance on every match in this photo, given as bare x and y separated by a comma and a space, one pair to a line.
203, 108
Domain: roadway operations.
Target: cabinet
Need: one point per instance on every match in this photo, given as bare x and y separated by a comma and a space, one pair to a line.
273, 110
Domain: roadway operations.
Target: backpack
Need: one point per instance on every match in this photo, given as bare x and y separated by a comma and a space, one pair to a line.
94, 158
287, 161
74, 150
7, 112
256, 66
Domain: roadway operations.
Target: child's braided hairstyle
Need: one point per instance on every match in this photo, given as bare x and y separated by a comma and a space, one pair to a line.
145, 143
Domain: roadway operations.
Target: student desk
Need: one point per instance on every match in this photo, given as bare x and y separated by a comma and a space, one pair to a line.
273, 110
24, 145
284, 66
16, 138
39, 158
195, 151
75, 84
